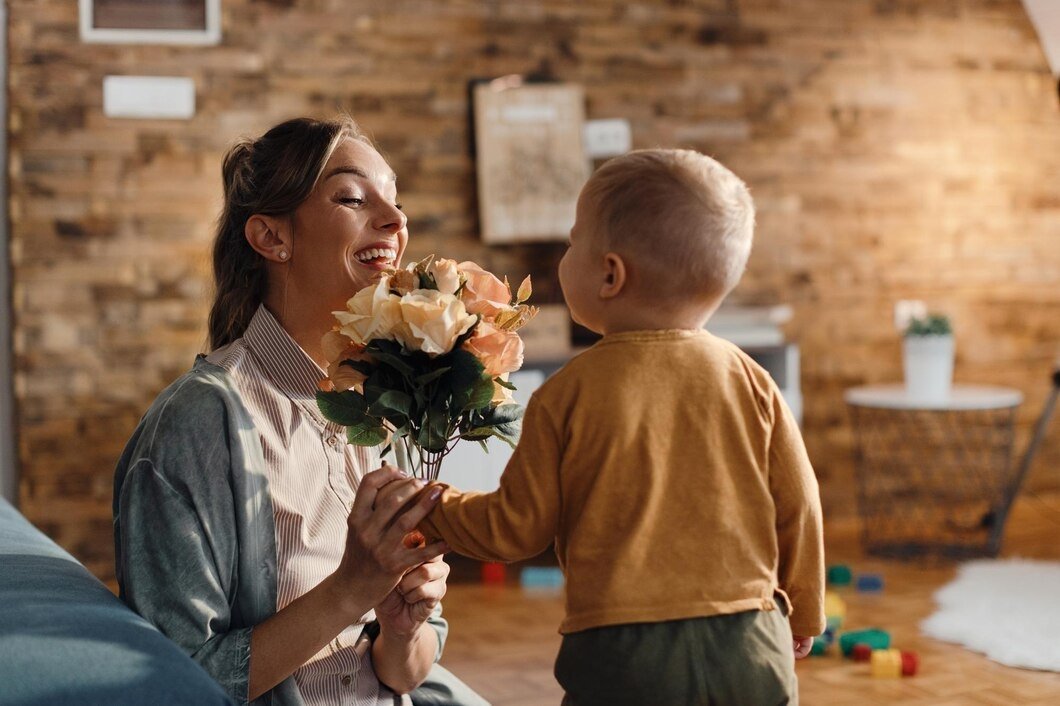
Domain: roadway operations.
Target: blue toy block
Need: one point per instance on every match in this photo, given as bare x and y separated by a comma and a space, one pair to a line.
541, 577
870, 583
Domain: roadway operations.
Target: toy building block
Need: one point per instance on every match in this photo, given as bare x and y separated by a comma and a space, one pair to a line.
834, 605
820, 646
870, 583
873, 637
910, 664
839, 575
861, 652
538, 577
834, 623
886, 664
493, 573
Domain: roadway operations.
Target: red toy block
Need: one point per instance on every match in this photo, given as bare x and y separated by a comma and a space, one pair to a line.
493, 573
861, 652
910, 664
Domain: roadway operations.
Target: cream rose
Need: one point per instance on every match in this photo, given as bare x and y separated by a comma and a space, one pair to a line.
501, 394
435, 320
483, 293
501, 352
371, 313
446, 275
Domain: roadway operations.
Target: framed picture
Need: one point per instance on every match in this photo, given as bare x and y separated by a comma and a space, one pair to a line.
531, 162
151, 21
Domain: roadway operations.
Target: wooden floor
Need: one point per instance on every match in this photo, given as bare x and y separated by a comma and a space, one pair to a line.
503, 641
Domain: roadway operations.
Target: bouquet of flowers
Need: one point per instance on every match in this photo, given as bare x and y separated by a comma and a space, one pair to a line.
420, 360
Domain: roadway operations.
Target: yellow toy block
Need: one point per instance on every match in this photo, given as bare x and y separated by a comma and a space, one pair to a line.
886, 664
834, 605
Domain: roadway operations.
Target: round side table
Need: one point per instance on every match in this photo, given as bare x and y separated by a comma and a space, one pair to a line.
932, 474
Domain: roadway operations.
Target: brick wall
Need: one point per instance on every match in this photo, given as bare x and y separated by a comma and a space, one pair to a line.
896, 149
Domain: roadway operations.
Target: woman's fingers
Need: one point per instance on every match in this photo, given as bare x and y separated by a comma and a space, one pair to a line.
413, 513
422, 610
368, 490
389, 503
425, 583
424, 573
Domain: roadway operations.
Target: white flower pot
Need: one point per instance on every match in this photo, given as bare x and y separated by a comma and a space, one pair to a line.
928, 366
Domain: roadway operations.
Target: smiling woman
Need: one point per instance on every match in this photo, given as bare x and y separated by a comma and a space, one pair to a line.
244, 527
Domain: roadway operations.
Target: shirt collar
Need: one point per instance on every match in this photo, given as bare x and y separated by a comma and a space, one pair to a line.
283, 361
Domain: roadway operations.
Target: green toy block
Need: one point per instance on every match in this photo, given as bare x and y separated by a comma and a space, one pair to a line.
840, 575
819, 646
835, 622
873, 637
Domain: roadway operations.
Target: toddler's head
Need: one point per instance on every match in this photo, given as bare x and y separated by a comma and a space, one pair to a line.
676, 223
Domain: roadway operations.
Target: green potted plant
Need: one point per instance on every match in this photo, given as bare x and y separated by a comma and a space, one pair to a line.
928, 353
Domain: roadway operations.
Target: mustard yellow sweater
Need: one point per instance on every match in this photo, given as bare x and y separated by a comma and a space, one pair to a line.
673, 480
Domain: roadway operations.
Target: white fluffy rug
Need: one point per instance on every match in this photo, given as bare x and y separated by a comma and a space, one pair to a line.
1009, 610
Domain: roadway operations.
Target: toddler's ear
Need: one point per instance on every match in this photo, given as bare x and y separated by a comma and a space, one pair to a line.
614, 276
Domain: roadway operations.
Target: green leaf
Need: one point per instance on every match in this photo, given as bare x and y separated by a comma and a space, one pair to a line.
427, 281
504, 383
347, 408
503, 414
395, 361
466, 370
506, 421
478, 434
482, 443
390, 403
432, 376
481, 394
366, 435
434, 435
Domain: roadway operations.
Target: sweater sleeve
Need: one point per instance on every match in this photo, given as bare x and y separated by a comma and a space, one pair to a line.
519, 519
800, 534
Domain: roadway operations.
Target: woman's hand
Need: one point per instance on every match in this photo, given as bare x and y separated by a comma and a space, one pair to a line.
376, 558
411, 602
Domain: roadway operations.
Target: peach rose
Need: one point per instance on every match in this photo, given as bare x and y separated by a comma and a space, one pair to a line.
446, 275
343, 377
435, 320
338, 349
371, 313
500, 351
483, 293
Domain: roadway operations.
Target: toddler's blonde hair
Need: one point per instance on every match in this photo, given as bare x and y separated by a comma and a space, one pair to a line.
686, 221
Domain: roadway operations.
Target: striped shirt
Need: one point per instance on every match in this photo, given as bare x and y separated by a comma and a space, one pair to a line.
313, 475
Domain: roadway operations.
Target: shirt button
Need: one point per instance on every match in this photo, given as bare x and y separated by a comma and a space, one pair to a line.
333, 440
347, 680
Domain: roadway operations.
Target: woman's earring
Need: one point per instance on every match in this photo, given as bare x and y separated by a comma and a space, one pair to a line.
283, 254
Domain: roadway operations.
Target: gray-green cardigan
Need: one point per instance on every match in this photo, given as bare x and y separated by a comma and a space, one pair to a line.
194, 539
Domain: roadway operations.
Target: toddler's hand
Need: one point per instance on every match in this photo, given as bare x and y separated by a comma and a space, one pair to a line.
802, 646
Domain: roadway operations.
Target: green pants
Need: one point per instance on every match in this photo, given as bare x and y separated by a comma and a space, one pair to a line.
744, 659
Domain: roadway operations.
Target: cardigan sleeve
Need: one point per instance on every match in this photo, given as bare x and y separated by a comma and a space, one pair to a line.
520, 519
800, 535
172, 574
177, 534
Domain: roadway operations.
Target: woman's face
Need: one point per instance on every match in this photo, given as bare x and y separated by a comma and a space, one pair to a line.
350, 228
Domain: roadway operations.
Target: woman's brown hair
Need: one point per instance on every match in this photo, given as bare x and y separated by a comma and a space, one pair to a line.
269, 176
